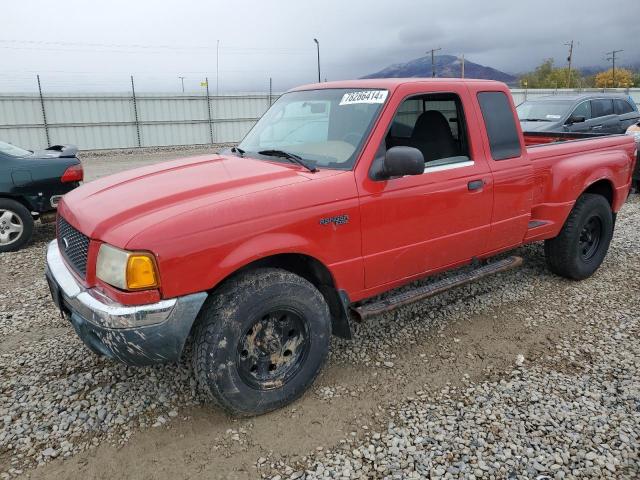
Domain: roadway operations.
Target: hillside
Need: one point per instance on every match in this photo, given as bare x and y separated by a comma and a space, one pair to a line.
446, 66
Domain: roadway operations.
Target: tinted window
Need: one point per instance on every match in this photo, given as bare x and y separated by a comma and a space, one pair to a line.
501, 126
622, 106
434, 124
601, 107
583, 110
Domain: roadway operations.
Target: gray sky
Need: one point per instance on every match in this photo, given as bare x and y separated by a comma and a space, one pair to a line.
89, 45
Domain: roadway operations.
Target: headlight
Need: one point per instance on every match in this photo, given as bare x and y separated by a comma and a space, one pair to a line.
126, 270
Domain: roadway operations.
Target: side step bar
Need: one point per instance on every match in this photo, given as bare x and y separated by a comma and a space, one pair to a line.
401, 299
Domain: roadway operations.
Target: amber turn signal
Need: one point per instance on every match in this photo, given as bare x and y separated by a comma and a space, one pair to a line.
141, 272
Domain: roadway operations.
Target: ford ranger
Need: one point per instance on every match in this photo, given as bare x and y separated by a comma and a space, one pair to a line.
341, 191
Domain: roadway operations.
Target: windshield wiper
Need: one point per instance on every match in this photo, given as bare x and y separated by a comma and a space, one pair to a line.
534, 120
292, 157
237, 150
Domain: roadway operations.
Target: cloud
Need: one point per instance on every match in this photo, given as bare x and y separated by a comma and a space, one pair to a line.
96, 46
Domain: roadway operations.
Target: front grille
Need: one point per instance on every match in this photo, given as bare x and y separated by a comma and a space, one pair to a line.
73, 245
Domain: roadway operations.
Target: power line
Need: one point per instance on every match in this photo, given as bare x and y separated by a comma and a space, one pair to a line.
41, 44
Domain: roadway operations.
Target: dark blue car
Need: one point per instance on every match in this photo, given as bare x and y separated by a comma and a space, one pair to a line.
31, 183
584, 112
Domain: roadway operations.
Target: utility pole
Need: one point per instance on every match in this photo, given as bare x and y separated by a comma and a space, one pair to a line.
462, 67
182, 80
318, 48
217, 65
433, 61
613, 61
569, 58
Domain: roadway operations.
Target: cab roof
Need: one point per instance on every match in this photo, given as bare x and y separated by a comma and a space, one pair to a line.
392, 83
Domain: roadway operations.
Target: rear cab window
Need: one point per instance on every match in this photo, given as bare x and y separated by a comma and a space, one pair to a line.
504, 140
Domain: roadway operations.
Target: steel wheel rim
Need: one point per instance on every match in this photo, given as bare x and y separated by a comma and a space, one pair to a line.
272, 351
590, 238
11, 227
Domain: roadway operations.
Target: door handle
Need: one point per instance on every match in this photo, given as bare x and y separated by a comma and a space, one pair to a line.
475, 185
596, 127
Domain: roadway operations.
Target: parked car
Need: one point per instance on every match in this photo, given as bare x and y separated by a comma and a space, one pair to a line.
258, 254
585, 112
634, 130
31, 184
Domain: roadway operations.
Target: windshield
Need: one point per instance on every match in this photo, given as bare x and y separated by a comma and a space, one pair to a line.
12, 150
546, 111
325, 128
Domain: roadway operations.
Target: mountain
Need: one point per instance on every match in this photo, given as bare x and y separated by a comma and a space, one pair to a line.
446, 66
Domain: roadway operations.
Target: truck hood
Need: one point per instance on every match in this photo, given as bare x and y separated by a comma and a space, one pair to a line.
105, 209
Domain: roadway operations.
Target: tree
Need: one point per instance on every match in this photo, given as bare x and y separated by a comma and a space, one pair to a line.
624, 78
547, 76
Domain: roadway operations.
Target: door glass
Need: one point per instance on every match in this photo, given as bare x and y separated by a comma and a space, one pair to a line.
583, 110
434, 124
622, 106
601, 107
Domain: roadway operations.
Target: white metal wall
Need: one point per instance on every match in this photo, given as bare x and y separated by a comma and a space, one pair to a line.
99, 121
109, 121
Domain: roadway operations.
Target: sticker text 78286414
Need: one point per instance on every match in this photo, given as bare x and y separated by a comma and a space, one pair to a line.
365, 96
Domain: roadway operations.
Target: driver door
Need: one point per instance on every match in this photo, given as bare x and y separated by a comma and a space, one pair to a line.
416, 224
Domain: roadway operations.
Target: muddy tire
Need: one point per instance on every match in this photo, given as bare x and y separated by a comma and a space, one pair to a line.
260, 341
583, 242
16, 225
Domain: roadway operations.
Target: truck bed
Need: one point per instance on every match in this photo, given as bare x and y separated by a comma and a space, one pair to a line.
579, 159
542, 138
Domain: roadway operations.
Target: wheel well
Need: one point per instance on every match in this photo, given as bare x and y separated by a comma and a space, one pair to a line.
18, 199
602, 187
319, 275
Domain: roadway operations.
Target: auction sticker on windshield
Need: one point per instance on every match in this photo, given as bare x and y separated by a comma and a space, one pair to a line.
366, 96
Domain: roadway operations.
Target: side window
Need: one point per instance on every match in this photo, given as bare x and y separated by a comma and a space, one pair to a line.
434, 124
504, 140
583, 110
601, 107
621, 106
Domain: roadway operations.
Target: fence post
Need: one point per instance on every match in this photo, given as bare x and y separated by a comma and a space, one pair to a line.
206, 81
270, 90
135, 111
44, 113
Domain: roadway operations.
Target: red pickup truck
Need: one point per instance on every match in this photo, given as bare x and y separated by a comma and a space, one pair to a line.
342, 191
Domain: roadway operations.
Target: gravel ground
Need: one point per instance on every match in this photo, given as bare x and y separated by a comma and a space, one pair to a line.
572, 413
520, 375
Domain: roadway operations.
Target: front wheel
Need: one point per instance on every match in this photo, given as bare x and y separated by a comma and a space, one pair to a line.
261, 341
583, 242
16, 225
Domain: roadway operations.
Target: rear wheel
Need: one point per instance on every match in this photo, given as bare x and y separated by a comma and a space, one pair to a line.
261, 341
16, 225
583, 242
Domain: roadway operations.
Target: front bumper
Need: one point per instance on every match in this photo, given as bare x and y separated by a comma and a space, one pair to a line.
134, 335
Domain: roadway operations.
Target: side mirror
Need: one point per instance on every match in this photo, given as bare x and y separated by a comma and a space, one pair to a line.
401, 161
575, 119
